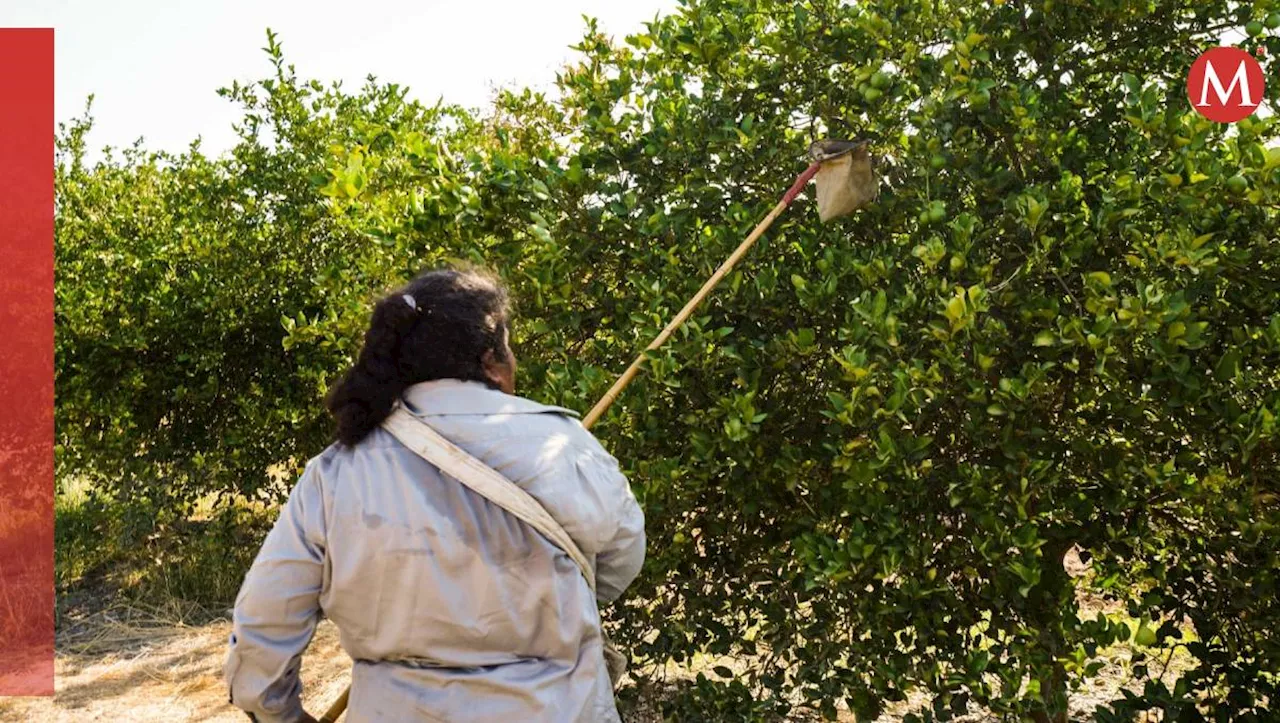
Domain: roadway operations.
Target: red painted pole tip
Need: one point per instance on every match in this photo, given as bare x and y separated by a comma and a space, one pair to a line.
801, 180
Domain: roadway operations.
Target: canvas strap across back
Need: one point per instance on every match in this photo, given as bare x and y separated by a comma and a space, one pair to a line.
484, 480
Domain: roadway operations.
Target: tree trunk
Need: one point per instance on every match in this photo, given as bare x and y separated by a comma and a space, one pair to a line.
1046, 608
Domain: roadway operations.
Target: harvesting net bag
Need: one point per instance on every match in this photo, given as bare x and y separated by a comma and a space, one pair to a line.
846, 180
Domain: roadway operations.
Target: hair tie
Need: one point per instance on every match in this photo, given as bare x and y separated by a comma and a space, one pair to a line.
412, 302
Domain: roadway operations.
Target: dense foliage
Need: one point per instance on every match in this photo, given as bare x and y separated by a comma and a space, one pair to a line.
865, 461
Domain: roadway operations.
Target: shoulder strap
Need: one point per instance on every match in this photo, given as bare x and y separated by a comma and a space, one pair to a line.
485, 481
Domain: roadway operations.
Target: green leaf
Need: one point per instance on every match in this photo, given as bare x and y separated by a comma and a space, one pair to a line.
1099, 278
1228, 365
541, 233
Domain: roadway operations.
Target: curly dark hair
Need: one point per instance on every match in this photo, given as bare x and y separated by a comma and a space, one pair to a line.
456, 315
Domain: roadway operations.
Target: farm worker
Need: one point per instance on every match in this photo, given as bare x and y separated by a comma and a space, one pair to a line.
451, 608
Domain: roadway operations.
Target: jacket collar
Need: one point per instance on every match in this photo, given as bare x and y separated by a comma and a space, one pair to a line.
444, 397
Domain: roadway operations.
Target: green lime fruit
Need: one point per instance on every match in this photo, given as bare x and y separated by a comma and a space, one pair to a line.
1254, 28
1145, 636
1237, 184
937, 162
872, 94
1273, 21
880, 80
937, 214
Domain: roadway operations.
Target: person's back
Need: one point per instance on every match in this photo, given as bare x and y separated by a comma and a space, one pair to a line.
452, 608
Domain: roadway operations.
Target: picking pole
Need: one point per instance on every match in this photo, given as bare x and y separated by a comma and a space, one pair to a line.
340, 705
611, 395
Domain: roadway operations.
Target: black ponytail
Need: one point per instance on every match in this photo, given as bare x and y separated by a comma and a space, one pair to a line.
439, 326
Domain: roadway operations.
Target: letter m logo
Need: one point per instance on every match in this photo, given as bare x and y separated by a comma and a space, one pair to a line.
1225, 85
1240, 78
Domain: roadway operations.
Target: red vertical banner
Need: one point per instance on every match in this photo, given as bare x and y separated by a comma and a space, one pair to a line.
26, 362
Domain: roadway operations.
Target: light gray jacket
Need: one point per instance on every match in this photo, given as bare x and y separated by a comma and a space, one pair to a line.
452, 609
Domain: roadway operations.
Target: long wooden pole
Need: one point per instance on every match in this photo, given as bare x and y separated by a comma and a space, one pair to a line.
340, 705
612, 395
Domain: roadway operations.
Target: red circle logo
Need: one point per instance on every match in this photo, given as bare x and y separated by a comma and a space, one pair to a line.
1225, 85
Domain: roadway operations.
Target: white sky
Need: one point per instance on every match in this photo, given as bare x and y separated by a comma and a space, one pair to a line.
154, 65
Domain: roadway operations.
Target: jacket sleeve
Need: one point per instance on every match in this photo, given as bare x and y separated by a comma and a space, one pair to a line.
621, 555
278, 608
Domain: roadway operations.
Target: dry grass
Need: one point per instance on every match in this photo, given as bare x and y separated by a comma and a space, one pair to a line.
26, 599
128, 664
